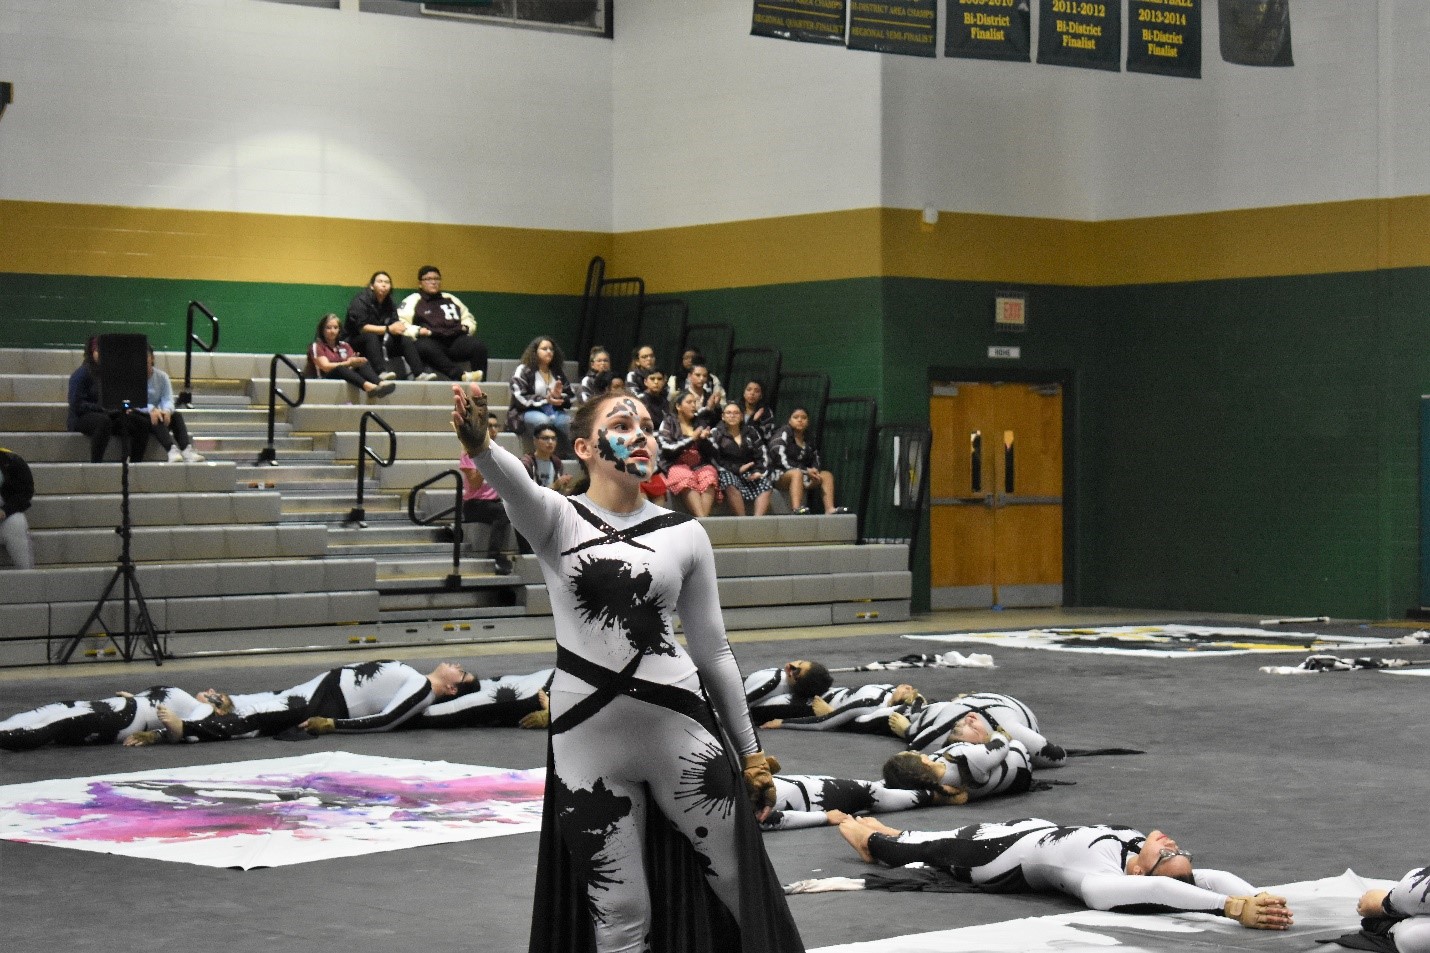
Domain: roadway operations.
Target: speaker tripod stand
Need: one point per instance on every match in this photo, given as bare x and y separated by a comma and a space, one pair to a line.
141, 633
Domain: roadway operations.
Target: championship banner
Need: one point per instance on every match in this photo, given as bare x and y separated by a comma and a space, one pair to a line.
1165, 37
1256, 32
1084, 33
989, 30
909, 28
809, 21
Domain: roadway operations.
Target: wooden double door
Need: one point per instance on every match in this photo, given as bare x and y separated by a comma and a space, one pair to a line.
996, 488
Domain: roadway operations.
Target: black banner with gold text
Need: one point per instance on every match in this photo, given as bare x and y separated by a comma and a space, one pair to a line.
909, 27
989, 30
1165, 37
1255, 32
809, 21
1085, 33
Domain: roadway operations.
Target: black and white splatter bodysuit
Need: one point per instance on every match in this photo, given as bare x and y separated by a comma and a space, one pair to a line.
802, 800
1034, 855
1410, 898
636, 756
499, 702
929, 727
102, 721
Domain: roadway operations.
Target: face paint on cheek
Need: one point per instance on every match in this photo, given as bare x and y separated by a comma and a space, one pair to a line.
617, 450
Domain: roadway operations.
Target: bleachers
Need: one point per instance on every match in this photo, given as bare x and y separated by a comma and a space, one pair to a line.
236, 555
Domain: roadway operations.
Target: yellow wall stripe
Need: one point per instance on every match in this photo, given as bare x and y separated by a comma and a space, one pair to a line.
113, 241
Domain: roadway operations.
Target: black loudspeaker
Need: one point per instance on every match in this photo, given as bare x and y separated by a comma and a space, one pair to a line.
123, 370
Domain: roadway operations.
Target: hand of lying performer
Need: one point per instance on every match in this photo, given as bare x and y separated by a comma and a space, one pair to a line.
469, 418
1261, 912
836, 817
899, 725
760, 782
318, 725
1372, 903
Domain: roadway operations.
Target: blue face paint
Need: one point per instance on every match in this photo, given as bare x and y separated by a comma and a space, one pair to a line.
617, 450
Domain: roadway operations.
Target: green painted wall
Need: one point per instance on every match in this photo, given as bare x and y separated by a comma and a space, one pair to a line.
62, 310
1247, 445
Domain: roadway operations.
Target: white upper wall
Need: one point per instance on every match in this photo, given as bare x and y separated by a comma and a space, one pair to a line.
713, 124
1348, 121
240, 105
684, 119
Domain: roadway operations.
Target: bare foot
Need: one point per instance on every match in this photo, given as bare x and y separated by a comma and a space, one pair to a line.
878, 826
858, 837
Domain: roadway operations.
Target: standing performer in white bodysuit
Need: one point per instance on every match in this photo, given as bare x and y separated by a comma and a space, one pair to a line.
649, 739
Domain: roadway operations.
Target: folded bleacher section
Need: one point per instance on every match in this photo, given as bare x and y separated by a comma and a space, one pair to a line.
239, 556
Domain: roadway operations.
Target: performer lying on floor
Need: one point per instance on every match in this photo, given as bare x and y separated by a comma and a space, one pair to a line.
1106, 867
998, 766
785, 692
100, 722
1403, 912
815, 800
975, 717
864, 710
507, 701
361, 697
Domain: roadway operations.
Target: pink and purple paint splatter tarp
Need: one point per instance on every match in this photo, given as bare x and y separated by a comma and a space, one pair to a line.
274, 812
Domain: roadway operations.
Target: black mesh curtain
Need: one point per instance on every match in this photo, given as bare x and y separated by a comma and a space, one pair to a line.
715, 342
898, 486
807, 390
662, 326
845, 447
754, 364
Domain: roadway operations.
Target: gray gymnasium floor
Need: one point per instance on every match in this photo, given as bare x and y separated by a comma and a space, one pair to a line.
1277, 778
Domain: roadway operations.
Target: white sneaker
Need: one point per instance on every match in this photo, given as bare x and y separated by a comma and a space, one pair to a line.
175, 456
426, 376
191, 455
473, 376
387, 376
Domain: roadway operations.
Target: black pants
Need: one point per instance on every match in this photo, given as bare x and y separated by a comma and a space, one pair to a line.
99, 427
493, 513
356, 376
172, 433
388, 352
444, 355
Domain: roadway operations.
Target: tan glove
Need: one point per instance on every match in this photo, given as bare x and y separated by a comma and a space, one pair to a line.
759, 779
820, 707
469, 420
536, 719
1261, 912
142, 739
319, 726
899, 725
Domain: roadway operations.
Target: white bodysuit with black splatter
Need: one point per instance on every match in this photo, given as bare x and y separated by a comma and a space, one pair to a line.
630, 730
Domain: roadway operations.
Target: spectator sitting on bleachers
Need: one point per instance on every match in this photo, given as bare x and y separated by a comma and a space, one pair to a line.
165, 423
794, 461
374, 330
740, 458
481, 504
445, 331
543, 464
686, 456
17, 489
653, 396
705, 386
331, 357
540, 392
688, 359
642, 363
593, 384
88, 416
757, 412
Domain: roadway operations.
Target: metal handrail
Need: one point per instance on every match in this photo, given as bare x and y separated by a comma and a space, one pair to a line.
186, 396
454, 579
358, 514
268, 454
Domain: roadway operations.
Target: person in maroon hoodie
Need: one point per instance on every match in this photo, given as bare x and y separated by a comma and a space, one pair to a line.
445, 331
